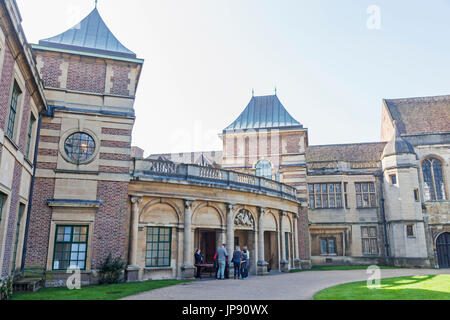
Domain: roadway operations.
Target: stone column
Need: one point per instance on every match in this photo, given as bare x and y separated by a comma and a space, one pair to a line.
133, 268
187, 268
262, 264
284, 263
297, 262
230, 235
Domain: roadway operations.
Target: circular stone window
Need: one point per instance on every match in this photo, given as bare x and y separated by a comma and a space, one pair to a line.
79, 147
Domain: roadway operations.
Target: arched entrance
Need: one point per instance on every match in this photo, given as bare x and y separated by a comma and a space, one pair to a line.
443, 250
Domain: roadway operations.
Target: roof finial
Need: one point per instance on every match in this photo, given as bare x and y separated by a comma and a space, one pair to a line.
275, 90
96, 2
253, 92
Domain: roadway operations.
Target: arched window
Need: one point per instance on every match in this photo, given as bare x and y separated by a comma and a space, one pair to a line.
264, 169
433, 180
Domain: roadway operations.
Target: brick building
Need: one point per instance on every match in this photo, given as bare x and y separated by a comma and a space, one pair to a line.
73, 190
21, 103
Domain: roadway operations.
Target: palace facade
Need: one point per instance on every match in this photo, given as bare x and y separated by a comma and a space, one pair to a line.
73, 190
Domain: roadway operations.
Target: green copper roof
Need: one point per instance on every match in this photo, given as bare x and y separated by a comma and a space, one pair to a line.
90, 35
265, 112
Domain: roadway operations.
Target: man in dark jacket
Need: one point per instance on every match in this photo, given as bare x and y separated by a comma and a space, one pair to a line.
198, 261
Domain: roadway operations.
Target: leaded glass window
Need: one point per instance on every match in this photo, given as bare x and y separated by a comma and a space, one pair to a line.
326, 195
79, 147
2, 204
369, 240
70, 247
264, 169
328, 246
433, 180
365, 195
13, 110
158, 251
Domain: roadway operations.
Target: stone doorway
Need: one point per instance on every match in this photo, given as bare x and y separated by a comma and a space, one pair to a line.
246, 238
207, 243
271, 250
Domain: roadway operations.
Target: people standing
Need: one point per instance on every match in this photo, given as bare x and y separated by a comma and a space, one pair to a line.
221, 260
198, 261
244, 264
237, 255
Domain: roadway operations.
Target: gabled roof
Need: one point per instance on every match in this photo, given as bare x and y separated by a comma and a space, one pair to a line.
358, 152
420, 115
90, 35
397, 145
264, 112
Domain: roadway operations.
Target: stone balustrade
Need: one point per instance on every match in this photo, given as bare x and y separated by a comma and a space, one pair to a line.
193, 173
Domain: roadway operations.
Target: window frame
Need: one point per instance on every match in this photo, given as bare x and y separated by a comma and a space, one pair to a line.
90, 156
363, 193
370, 238
413, 231
264, 172
328, 253
71, 242
13, 111
333, 194
159, 242
432, 194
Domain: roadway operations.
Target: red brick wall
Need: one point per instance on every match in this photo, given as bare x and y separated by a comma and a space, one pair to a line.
12, 220
120, 80
293, 143
303, 235
86, 76
111, 230
5, 87
39, 224
51, 71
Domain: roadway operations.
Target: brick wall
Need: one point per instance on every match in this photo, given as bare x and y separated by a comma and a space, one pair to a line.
5, 87
12, 220
111, 230
39, 223
51, 71
120, 80
86, 76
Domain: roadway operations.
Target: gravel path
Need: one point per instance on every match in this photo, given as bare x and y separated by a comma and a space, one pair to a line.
291, 286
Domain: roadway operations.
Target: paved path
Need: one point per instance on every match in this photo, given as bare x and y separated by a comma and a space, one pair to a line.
291, 286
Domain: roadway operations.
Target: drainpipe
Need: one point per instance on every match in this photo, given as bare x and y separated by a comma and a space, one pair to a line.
30, 196
383, 216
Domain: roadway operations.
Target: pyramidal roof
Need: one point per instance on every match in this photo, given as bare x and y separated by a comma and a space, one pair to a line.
264, 112
90, 35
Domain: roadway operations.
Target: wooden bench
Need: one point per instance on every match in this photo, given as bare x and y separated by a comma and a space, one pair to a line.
32, 279
209, 267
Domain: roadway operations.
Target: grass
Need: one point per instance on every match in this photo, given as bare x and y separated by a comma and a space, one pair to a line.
433, 287
332, 268
106, 292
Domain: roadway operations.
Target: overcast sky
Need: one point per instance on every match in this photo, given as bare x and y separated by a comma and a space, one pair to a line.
203, 57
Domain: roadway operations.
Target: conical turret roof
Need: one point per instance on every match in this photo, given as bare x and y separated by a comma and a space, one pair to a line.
90, 35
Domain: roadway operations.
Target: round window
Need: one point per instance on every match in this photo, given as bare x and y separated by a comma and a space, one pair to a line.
79, 147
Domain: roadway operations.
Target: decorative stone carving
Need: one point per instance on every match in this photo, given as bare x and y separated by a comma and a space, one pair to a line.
244, 219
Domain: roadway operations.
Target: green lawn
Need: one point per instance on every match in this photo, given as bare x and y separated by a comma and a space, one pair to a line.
331, 268
107, 292
433, 287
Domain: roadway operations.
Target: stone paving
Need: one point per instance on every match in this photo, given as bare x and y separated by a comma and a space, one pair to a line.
290, 286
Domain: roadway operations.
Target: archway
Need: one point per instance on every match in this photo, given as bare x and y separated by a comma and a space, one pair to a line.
443, 250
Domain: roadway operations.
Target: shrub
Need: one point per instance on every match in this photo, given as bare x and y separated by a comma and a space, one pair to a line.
6, 288
111, 270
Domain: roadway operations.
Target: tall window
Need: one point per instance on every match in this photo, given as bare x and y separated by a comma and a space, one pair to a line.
365, 195
2, 205
13, 110
369, 240
433, 180
325, 195
158, 247
16, 243
264, 169
30, 135
345, 195
328, 246
70, 247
